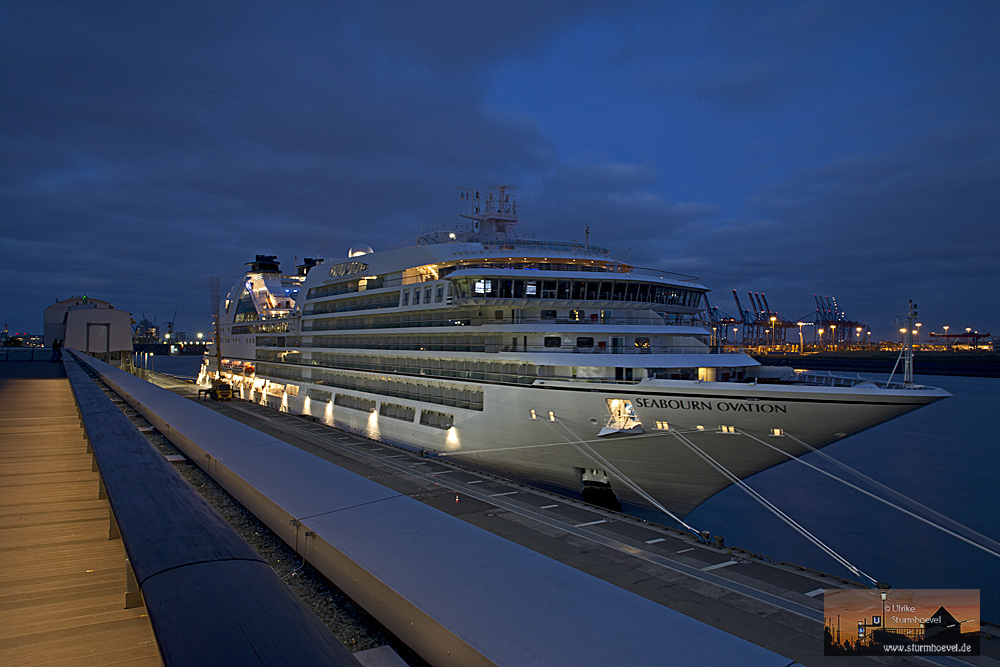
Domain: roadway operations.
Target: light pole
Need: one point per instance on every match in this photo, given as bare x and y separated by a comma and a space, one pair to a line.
774, 338
802, 348
946, 341
859, 335
820, 332
833, 335
918, 332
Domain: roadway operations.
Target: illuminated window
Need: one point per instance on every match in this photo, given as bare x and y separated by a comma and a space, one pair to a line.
531, 288
533, 415
727, 429
552, 416
778, 431
700, 427
662, 426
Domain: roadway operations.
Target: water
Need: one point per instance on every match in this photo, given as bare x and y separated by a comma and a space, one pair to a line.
944, 456
183, 366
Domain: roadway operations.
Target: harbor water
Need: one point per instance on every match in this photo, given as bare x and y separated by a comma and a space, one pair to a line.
944, 456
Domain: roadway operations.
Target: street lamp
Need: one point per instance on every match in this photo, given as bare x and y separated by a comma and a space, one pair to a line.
802, 349
820, 332
833, 335
859, 335
883, 595
918, 332
774, 338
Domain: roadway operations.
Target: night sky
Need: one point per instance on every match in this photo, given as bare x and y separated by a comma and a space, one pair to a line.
849, 149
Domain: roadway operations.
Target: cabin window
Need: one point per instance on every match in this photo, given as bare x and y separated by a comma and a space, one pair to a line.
506, 288
563, 291
548, 314
576, 315
642, 343
406, 298
440, 294
427, 295
416, 297
548, 289
553, 341
585, 341
436, 419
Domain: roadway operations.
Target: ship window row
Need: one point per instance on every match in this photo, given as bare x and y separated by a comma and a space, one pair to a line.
574, 290
264, 327
529, 266
396, 411
469, 369
273, 370
320, 395
455, 395
395, 321
436, 419
375, 301
346, 286
489, 344
355, 402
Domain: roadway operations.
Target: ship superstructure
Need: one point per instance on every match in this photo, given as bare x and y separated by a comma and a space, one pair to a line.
558, 363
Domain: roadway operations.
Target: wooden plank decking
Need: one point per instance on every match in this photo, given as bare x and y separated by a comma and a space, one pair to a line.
62, 581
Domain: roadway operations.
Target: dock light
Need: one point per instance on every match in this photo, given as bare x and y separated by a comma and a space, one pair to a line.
200, 335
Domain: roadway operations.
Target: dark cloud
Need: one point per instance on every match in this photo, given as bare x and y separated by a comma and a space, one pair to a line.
790, 148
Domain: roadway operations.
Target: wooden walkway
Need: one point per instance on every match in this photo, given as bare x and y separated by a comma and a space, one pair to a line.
62, 581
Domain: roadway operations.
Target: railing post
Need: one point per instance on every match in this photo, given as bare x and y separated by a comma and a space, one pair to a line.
113, 532
133, 596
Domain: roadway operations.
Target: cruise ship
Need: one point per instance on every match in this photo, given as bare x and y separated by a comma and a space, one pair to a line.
555, 363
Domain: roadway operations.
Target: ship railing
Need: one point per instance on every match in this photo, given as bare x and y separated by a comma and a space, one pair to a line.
678, 321
11, 353
478, 242
833, 379
499, 348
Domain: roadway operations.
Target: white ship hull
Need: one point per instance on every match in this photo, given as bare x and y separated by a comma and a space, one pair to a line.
765, 425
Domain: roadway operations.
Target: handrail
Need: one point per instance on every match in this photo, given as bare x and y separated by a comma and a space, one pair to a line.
211, 599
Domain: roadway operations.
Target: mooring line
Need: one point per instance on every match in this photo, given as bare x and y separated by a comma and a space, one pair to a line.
774, 509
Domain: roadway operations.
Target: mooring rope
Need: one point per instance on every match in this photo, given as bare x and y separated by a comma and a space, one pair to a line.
589, 451
767, 504
993, 549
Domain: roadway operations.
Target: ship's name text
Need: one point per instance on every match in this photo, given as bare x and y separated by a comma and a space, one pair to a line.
721, 406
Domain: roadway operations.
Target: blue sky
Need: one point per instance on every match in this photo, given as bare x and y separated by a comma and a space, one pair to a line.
843, 148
